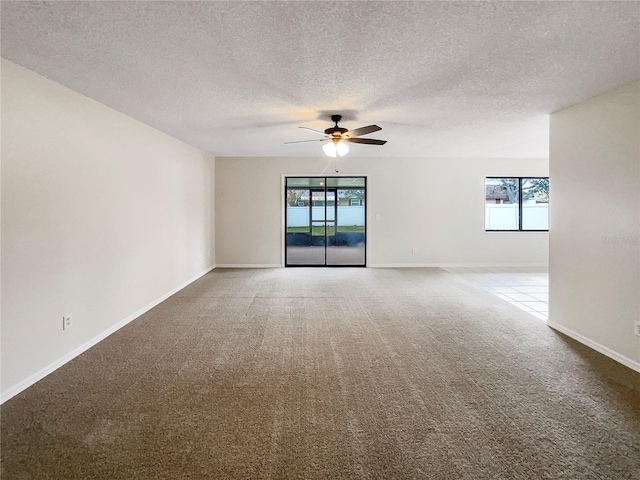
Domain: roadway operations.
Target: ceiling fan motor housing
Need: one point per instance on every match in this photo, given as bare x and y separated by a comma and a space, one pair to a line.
336, 130
332, 131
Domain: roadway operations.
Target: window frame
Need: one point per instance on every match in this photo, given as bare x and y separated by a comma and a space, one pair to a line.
520, 204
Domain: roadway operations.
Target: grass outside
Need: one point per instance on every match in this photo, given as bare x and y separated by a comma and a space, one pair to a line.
318, 230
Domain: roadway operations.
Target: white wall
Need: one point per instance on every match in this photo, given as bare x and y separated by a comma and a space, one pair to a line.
594, 269
102, 216
433, 205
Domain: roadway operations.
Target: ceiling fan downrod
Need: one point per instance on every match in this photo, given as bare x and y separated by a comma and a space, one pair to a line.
336, 131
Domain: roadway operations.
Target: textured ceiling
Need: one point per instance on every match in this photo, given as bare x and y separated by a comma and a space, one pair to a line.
236, 78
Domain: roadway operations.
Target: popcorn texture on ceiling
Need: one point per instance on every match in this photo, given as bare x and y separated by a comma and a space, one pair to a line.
442, 79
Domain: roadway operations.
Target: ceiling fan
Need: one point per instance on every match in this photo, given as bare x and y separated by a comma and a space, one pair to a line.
337, 137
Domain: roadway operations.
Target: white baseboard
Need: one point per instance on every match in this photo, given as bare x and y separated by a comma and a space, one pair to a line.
627, 362
403, 265
457, 265
26, 383
248, 265
399, 265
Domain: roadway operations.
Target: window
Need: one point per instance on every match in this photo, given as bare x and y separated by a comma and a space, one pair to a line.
354, 202
516, 204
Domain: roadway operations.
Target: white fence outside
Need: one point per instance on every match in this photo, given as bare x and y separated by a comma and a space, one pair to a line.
347, 215
505, 217
497, 217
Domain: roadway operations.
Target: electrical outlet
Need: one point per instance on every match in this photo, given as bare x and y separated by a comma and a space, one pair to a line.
413, 250
636, 329
67, 321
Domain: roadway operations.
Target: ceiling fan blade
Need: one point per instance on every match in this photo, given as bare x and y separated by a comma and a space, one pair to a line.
303, 141
367, 141
312, 130
363, 130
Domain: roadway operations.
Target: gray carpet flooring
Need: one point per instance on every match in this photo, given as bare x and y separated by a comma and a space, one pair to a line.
329, 373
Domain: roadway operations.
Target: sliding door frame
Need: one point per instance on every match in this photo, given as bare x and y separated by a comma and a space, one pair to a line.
283, 209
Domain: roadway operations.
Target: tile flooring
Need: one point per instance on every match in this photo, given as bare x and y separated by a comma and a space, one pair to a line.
524, 287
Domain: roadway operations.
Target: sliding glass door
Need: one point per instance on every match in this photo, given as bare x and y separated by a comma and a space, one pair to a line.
325, 221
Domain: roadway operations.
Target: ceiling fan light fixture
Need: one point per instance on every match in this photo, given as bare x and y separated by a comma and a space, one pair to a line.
342, 148
336, 148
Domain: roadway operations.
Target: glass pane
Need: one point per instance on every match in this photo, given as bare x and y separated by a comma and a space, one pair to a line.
351, 196
298, 182
347, 247
331, 242
331, 205
305, 181
535, 204
317, 229
501, 210
345, 182
297, 210
317, 202
304, 245
351, 213
297, 197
